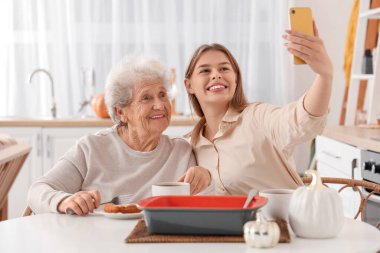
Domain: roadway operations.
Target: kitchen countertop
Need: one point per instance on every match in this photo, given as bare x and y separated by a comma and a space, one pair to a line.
362, 137
30, 121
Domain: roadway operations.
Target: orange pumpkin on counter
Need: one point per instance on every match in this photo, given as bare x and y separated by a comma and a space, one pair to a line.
99, 106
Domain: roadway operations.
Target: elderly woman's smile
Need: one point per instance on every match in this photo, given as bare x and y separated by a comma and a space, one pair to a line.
158, 116
150, 99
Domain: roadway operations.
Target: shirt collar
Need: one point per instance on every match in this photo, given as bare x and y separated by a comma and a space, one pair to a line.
231, 115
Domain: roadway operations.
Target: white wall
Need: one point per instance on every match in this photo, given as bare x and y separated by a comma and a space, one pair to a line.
331, 17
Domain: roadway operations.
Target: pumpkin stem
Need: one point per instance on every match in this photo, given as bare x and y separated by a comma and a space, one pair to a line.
259, 216
316, 182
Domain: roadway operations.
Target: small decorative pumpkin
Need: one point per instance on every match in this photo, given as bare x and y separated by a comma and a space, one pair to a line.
99, 106
261, 233
316, 211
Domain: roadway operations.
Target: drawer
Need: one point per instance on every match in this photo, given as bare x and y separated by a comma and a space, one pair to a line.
340, 156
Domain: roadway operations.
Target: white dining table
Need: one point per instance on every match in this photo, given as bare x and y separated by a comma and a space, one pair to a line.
98, 234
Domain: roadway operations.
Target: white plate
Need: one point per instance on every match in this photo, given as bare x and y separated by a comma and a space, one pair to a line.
120, 216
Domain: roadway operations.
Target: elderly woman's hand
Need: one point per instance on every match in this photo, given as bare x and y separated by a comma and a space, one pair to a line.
198, 178
81, 203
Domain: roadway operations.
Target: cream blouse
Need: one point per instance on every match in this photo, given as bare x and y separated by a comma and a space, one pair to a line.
253, 149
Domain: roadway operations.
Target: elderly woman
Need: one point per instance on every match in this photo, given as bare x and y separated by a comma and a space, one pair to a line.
127, 158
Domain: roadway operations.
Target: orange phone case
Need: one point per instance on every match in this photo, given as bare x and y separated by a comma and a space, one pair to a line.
301, 20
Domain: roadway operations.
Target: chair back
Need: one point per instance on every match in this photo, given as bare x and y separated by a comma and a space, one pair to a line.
355, 184
12, 157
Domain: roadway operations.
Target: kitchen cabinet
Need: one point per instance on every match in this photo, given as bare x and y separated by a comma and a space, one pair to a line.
337, 159
49, 143
341, 152
18, 194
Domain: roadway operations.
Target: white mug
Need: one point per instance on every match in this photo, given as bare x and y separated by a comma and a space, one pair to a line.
171, 188
278, 203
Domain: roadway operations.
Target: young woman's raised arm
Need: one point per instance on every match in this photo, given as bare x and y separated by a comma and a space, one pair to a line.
312, 50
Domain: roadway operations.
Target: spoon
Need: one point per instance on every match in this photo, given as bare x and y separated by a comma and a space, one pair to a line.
252, 193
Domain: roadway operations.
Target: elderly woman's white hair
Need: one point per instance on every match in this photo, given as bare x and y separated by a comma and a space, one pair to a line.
131, 71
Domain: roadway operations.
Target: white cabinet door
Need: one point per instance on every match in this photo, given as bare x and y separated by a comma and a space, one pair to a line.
343, 158
48, 145
350, 198
337, 159
31, 170
58, 140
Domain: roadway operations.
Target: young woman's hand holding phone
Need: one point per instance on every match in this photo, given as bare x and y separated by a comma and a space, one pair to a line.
304, 42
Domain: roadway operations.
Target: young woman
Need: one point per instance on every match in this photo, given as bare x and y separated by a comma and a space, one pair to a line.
250, 145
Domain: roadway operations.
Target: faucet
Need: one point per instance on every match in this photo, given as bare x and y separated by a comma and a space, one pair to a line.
53, 108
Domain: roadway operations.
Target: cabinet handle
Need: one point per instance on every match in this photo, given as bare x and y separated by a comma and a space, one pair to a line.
48, 146
331, 155
354, 164
353, 167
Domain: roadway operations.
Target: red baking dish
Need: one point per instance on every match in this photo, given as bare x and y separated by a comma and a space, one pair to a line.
198, 214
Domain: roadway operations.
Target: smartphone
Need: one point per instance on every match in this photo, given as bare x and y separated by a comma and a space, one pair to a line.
301, 20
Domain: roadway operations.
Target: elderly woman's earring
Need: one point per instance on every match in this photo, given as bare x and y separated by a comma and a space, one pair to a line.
124, 120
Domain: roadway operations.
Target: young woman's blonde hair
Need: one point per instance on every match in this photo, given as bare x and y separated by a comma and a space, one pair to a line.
239, 101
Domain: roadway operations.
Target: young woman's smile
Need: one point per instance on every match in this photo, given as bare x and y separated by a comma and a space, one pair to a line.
217, 87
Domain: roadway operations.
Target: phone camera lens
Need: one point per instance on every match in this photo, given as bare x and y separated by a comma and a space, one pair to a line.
293, 11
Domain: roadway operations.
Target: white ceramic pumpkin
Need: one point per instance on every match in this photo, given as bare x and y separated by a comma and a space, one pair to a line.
261, 233
316, 211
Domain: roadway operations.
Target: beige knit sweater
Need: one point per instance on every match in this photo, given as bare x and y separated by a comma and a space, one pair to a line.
102, 161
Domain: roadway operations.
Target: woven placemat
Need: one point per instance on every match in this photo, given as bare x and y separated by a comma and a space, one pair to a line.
140, 234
